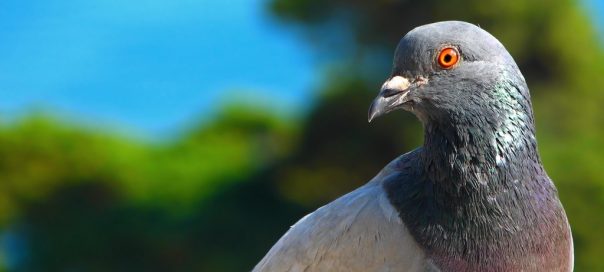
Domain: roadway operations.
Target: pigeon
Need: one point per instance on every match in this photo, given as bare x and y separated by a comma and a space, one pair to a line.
474, 197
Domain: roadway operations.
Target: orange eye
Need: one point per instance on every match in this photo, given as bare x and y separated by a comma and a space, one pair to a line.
448, 57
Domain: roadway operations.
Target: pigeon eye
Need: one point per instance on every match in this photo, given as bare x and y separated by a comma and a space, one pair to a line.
448, 57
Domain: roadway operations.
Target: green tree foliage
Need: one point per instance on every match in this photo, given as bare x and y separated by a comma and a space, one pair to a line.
37, 155
76, 199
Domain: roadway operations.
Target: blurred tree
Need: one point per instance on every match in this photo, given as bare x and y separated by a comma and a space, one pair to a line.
91, 227
38, 155
239, 140
78, 200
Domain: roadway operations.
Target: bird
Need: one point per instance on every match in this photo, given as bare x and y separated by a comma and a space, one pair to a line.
474, 197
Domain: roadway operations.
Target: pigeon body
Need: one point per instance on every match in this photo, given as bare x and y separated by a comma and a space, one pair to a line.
474, 197
360, 231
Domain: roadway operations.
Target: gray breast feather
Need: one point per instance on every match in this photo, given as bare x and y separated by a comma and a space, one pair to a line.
360, 231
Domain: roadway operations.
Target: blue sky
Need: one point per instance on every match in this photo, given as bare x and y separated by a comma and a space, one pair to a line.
147, 66
151, 66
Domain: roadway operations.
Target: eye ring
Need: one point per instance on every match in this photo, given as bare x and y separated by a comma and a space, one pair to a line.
448, 57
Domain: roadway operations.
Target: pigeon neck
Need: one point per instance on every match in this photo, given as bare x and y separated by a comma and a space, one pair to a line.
480, 197
470, 146
480, 146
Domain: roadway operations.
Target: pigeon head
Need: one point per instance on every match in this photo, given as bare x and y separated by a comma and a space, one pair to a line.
470, 96
447, 70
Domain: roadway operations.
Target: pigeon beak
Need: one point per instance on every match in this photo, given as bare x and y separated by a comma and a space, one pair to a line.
392, 95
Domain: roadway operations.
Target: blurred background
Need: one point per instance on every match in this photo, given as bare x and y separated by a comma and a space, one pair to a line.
181, 135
